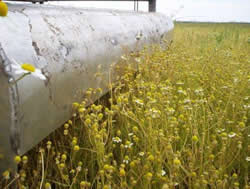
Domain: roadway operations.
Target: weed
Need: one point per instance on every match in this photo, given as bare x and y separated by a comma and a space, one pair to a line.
180, 120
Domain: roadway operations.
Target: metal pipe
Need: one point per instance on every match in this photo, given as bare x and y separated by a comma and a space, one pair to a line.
152, 6
70, 45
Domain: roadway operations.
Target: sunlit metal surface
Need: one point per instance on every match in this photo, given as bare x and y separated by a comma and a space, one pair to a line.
70, 45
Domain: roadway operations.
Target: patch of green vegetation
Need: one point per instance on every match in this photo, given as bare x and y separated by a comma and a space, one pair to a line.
180, 120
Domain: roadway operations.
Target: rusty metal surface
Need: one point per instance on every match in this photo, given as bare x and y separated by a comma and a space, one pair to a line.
68, 44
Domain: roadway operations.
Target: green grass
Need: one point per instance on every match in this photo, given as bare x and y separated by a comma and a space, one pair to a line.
180, 120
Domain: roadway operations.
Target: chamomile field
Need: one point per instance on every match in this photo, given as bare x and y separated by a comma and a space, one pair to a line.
178, 119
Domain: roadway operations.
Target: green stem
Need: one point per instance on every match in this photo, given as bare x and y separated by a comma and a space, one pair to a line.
21, 77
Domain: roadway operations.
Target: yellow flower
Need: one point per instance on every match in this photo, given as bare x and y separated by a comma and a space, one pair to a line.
74, 142
132, 164
76, 148
3, 9
17, 159
149, 176
195, 138
25, 159
75, 104
122, 172
61, 165
177, 162
83, 184
64, 157
165, 186
119, 133
6, 175
106, 167
47, 185
106, 187
151, 158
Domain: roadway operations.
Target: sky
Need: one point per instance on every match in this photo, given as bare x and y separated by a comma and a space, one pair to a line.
187, 10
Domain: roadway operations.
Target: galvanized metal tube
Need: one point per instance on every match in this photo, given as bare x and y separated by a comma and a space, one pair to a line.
70, 45
152, 6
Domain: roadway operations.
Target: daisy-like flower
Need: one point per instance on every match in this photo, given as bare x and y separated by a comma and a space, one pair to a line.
199, 92
116, 140
231, 134
27, 69
141, 154
126, 160
128, 144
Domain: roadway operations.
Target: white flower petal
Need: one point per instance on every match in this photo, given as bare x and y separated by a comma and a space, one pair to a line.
15, 62
38, 71
163, 173
17, 72
16, 67
40, 76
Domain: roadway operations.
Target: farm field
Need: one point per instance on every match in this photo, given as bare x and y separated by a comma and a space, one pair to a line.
178, 119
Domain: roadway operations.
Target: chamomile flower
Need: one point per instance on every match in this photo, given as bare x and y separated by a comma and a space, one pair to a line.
116, 140
138, 60
186, 101
163, 173
141, 154
130, 134
231, 134
27, 69
199, 92
3, 9
126, 160
128, 144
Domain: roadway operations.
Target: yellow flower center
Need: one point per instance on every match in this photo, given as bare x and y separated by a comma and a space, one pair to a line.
3, 9
28, 67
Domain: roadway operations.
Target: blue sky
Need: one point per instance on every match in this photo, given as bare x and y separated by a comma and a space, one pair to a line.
188, 10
